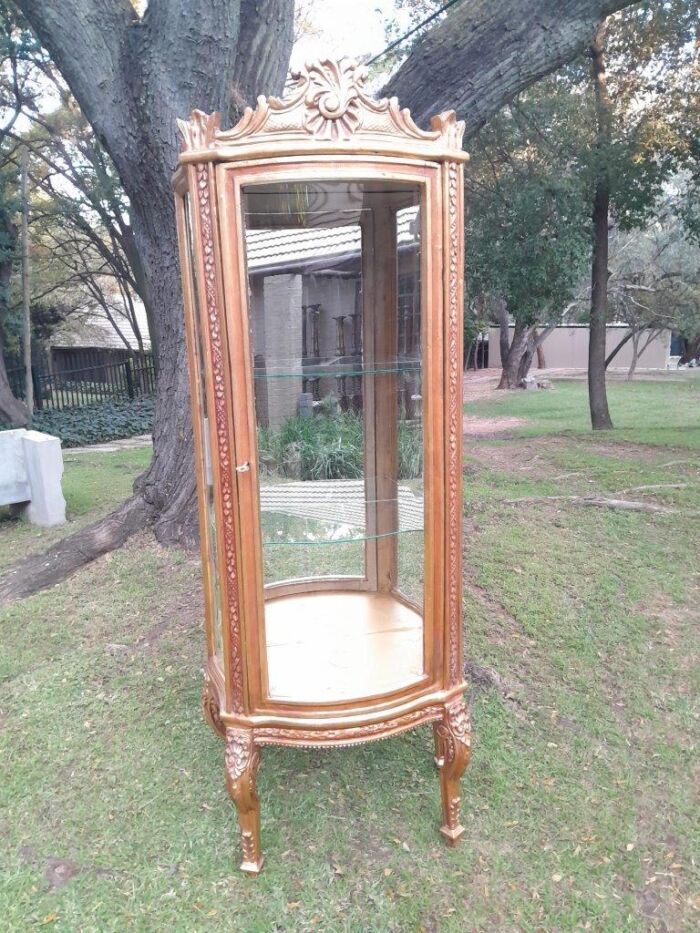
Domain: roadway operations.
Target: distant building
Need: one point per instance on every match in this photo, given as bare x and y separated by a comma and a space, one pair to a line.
567, 348
87, 339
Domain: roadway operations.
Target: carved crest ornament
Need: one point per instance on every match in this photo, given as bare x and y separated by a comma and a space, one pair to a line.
327, 117
327, 102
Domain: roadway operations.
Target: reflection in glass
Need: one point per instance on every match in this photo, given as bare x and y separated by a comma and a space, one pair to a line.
334, 288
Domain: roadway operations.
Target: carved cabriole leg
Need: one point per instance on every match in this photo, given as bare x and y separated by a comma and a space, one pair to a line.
242, 760
454, 735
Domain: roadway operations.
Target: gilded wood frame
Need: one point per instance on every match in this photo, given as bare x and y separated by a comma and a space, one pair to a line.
327, 128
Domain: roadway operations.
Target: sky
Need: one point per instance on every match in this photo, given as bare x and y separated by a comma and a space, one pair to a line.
346, 28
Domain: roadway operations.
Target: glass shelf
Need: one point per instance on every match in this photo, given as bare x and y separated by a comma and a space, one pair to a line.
323, 512
315, 370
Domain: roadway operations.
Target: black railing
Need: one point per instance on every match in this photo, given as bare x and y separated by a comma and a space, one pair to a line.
75, 388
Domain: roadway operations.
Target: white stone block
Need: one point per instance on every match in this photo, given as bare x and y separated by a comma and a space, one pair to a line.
44, 464
14, 482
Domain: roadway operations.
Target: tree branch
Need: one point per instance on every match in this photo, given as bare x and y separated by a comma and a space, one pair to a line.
86, 39
482, 53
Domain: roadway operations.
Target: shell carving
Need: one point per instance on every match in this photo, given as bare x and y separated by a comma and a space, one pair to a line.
332, 98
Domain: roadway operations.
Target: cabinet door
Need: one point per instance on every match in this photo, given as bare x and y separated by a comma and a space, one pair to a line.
332, 274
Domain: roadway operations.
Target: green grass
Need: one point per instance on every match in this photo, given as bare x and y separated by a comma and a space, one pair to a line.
578, 804
655, 413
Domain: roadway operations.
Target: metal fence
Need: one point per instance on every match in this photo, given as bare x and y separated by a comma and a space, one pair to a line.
75, 388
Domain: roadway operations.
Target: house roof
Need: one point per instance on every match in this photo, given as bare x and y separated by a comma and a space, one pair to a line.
88, 326
297, 248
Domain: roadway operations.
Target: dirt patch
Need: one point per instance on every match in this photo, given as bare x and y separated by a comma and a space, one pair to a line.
481, 385
59, 871
473, 426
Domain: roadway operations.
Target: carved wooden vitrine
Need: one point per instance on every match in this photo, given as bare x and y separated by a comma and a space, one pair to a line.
321, 252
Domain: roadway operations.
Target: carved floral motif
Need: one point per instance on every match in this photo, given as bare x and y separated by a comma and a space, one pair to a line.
199, 131
454, 429
349, 735
240, 753
332, 98
242, 761
454, 733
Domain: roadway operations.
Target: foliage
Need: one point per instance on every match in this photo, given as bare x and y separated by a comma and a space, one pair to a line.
655, 278
527, 223
91, 424
331, 447
534, 166
81, 244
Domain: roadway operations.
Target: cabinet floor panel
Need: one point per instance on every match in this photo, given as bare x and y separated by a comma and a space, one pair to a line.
330, 647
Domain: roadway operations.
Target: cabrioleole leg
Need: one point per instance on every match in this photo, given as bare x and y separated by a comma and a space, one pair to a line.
242, 761
455, 736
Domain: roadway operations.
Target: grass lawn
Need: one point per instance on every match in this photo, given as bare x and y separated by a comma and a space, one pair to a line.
579, 805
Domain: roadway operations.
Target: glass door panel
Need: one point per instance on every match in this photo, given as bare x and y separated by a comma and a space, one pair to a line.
335, 328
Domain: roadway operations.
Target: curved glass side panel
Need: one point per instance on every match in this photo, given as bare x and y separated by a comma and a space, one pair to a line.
212, 533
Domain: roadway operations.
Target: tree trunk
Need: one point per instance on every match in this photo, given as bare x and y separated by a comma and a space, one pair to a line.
503, 329
510, 377
533, 343
12, 411
132, 78
597, 393
613, 353
635, 357
691, 349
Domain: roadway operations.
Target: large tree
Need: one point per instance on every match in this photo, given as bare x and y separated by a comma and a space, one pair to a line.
134, 75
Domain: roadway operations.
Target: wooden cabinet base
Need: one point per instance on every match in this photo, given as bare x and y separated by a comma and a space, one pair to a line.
243, 745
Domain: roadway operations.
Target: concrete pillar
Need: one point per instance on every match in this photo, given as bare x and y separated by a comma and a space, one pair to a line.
282, 335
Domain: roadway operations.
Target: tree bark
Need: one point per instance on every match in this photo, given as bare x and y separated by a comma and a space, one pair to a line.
635, 357
12, 410
597, 393
534, 345
613, 353
38, 571
485, 51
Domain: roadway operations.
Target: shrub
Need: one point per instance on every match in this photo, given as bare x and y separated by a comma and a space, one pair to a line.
92, 424
331, 447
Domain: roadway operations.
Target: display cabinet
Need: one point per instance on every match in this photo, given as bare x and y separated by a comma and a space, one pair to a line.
322, 261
